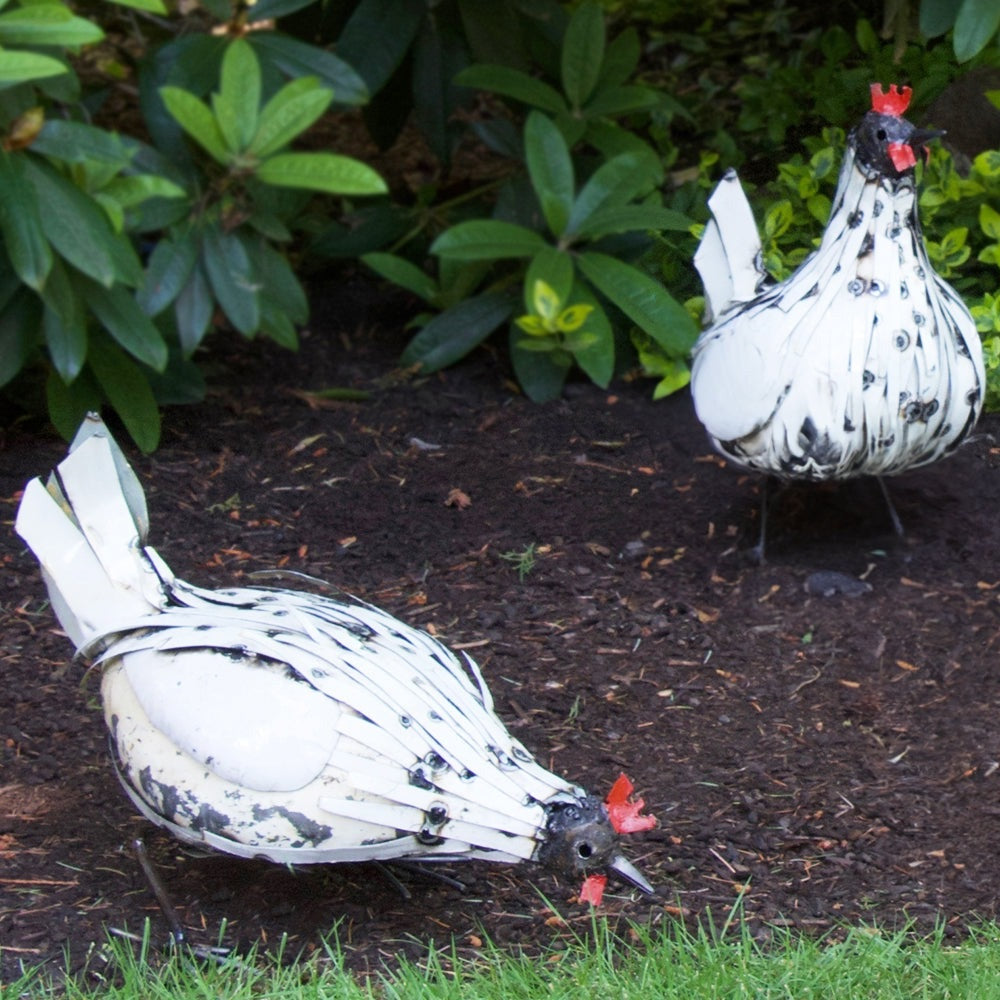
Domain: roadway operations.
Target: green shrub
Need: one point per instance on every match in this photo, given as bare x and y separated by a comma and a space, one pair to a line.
77, 301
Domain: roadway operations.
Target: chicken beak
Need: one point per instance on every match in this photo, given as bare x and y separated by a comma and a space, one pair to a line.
628, 871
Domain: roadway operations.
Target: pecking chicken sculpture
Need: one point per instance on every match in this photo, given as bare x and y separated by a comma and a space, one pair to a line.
863, 362
280, 724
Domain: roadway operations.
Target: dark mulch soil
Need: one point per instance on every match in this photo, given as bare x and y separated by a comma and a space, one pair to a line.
823, 759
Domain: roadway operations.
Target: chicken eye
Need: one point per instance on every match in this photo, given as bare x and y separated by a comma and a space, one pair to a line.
881, 133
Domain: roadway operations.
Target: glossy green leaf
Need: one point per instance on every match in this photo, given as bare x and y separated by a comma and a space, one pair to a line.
19, 67
118, 312
378, 35
540, 375
46, 24
237, 101
621, 101
937, 16
267, 9
555, 268
488, 239
80, 231
128, 391
280, 289
193, 311
648, 304
550, 168
455, 332
327, 172
633, 218
21, 222
975, 25
596, 355
296, 59
197, 120
512, 83
64, 324
289, 113
69, 404
231, 276
402, 272
621, 58
614, 183
76, 142
167, 272
20, 324
582, 52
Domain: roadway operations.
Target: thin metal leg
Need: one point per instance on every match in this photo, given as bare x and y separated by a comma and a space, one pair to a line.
897, 525
757, 552
160, 892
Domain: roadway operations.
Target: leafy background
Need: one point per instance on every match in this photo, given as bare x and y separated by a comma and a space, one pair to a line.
167, 169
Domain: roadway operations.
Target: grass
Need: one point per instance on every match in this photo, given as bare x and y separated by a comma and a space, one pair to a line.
667, 963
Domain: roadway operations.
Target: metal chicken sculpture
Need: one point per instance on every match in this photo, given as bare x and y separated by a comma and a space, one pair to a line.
864, 362
279, 724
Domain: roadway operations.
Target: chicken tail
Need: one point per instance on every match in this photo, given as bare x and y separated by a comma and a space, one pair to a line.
87, 527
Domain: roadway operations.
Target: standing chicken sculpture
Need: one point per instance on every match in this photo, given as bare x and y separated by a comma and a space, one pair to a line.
279, 724
863, 362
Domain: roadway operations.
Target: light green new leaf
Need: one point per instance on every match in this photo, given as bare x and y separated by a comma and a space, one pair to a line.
452, 334
19, 67
152, 6
47, 24
136, 188
650, 306
327, 172
237, 101
555, 268
21, 222
976, 23
231, 276
128, 391
512, 83
402, 272
550, 168
119, 313
583, 53
290, 112
197, 120
488, 239
989, 220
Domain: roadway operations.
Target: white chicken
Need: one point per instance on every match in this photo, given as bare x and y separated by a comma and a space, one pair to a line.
863, 362
280, 724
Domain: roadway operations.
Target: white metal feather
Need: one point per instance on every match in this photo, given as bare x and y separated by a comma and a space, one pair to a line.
862, 362
280, 724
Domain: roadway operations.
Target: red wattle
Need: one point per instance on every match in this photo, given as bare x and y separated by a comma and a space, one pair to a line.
902, 156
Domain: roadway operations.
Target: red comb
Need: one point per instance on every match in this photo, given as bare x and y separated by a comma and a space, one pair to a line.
624, 815
894, 103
